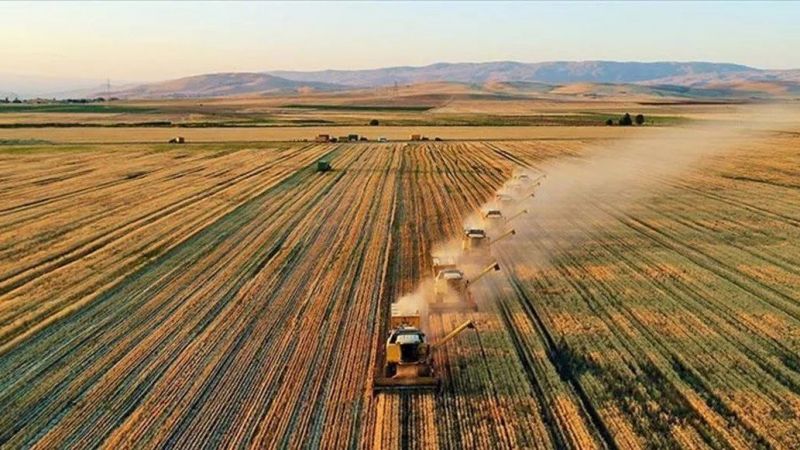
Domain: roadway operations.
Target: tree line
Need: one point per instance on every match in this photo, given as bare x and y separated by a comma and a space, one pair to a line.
627, 121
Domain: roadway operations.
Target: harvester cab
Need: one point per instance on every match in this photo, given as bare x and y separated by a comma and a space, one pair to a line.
409, 363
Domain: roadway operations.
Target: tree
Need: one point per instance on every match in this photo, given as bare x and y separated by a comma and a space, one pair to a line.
626, 120
5, 100
609, 122
374, 123
639, 119
16, 100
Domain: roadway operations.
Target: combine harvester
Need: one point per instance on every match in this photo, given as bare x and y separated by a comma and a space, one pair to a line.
516, 189
525, 179
409, 357
521, 188
475, 244
504, 199
451, 291
526, 182
494, 218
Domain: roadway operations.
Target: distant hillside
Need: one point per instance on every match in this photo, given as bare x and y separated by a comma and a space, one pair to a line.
559, 72
222, 85
684, 79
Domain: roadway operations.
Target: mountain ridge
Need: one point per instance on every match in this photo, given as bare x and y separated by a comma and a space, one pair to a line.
696, 75
556, 72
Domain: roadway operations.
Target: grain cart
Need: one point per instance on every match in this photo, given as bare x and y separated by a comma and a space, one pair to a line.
323, 166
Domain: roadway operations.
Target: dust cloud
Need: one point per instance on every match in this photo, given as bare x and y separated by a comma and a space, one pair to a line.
579, 194
414, 303
569, 198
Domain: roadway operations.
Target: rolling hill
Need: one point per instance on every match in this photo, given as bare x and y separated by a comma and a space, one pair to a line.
222, 85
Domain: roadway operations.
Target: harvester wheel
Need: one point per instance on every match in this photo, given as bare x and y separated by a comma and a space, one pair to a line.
391, 370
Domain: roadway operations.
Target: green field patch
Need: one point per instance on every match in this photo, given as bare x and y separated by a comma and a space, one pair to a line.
23, 142
412, 108
659, 120
97, 108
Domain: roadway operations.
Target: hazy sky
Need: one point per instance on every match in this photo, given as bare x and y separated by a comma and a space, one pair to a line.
151, 41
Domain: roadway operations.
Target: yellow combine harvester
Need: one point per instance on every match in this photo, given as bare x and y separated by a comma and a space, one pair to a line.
523, 178
475, 241
504, 199
475, 244
409, 358
494, 218
519, 189
451, 291
526, 179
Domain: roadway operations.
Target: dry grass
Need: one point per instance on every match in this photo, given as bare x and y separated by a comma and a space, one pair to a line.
218, 295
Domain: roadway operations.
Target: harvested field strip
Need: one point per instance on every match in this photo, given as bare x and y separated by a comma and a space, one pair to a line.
122, 245
509, 392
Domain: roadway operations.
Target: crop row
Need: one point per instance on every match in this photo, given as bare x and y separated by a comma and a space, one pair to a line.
218, 298
239, 299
